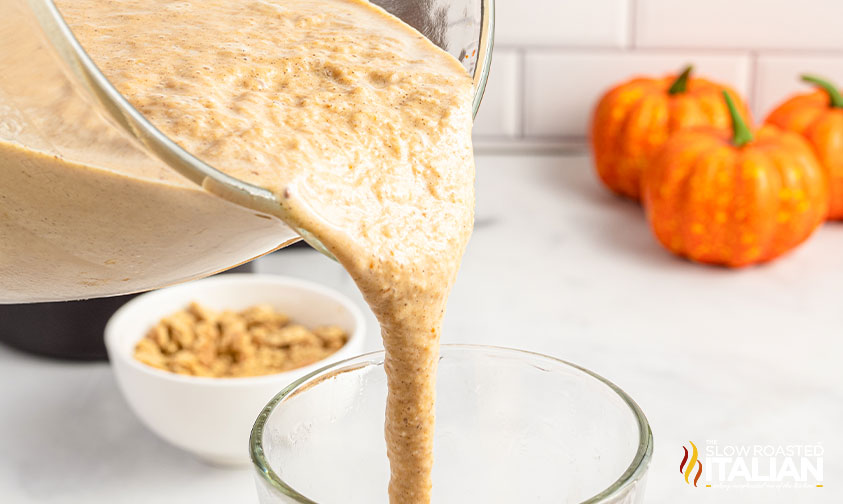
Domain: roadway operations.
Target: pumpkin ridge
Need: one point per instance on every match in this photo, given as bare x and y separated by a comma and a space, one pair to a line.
713, 166
682, 199
731, 253
712, 109
759, 205
825, 136
809, 116
608, 123
809, 221
681, 204
781, 166
732, 227
796, 182
798, 112
649, 117
685, 112
815, 175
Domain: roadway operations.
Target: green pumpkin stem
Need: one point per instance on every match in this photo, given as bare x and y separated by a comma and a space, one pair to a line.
680, 85
741, 134
834, 97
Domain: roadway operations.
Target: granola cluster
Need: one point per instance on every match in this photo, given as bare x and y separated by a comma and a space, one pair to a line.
256, 341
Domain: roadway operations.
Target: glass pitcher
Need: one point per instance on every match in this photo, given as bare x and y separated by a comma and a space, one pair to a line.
71, 224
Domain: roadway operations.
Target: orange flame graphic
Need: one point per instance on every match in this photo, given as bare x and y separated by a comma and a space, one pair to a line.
687, 466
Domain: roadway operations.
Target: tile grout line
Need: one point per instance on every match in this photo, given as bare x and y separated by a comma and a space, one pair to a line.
753, 85
534, 138
576, 147
668, 50
522, 94
632, 24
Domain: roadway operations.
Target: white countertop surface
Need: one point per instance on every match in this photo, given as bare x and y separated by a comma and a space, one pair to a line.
557, 266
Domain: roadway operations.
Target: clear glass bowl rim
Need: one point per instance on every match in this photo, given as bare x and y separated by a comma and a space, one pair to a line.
86, 73
633, 473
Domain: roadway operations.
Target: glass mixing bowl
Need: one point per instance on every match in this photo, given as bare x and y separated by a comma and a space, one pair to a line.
205, 221
511, 426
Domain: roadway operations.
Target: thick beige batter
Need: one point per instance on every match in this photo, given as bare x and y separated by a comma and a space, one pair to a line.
359, 123
83, 212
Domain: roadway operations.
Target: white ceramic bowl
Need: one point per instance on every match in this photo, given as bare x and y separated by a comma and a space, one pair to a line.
212, 417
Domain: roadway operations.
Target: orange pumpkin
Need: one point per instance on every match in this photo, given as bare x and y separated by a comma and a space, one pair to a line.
633, 120
733, 198
818, 117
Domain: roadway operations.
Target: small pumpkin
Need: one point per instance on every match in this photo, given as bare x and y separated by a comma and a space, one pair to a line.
734, 198
818, 117
633, 120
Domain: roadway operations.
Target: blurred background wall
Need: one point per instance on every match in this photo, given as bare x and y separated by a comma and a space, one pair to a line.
554, 58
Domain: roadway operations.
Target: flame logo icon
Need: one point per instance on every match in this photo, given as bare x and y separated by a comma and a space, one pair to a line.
687, 466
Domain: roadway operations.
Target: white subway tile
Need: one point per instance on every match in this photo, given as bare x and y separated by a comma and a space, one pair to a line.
602, 23
561, 88
777, 77
500, 111
739, 24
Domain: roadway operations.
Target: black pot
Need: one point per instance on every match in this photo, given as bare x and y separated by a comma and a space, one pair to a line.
71, 330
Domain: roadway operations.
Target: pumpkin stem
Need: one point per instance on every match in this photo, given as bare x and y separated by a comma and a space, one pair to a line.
680, 85
741, 134
833, 94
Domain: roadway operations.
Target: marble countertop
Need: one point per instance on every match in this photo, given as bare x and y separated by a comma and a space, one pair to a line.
557, 266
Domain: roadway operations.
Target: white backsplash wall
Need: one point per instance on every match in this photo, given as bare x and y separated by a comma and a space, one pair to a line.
554, 58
